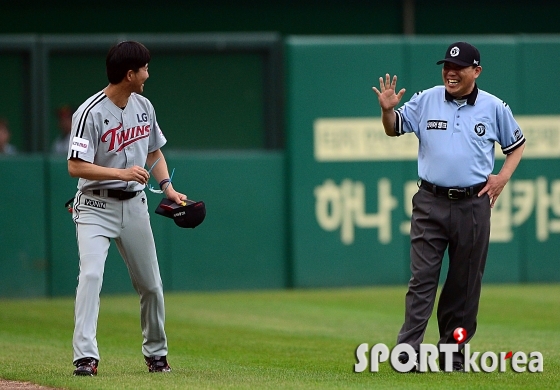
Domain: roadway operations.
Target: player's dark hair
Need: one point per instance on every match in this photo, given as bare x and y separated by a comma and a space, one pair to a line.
125, 56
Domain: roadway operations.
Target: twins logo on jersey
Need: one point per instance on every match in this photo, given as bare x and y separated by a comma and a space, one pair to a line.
119, 139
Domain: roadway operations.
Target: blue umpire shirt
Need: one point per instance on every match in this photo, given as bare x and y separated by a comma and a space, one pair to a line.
457, 136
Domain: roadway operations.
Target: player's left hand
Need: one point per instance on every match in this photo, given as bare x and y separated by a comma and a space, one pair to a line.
493, 188
175, 196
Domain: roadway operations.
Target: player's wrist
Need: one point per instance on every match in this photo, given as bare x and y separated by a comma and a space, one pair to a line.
163, 182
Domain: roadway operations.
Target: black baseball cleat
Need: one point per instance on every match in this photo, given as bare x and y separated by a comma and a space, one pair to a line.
458, 367
455, 367
157, 364
403, 359
457, 364
86, 367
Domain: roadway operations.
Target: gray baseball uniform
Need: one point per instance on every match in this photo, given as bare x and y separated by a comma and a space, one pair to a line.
106, 135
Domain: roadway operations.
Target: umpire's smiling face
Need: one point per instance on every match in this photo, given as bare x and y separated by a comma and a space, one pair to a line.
139, 78
459, 80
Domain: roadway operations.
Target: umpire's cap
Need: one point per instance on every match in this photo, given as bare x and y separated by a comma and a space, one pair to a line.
462, 54
189, 215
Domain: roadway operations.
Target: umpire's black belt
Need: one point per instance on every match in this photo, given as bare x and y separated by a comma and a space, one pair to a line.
118, 194
453, 193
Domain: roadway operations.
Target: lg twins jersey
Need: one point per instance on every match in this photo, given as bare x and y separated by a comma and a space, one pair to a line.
106, 135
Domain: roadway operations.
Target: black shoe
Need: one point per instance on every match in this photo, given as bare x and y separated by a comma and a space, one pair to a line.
458, 366
403, 359
157, 364
455, 367
86, 367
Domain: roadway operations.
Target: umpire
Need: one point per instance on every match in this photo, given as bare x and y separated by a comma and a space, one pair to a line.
457, 125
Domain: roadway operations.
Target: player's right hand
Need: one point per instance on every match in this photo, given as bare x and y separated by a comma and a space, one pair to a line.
388, 99
136, 173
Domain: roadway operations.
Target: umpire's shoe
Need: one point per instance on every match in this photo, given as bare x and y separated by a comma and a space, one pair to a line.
457, 364
157, 364
86, 367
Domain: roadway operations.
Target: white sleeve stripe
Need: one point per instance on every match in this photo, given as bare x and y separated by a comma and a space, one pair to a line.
82, 123
80, 129
398, 123
515, 145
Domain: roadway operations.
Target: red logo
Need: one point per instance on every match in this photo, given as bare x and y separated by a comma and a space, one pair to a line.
119, 139
460, 335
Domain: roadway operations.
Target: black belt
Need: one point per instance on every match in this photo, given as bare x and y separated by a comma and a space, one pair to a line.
118, 194
453, 193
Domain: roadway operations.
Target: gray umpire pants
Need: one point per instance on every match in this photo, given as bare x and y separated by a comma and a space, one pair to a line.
463, 227
99, 219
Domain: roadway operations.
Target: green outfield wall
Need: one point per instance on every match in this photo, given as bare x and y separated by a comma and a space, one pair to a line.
24, 265
240, 245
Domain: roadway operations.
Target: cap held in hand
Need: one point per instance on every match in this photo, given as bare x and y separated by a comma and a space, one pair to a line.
189, 215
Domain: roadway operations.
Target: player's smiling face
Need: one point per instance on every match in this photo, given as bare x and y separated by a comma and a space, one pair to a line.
140, 78
459, 80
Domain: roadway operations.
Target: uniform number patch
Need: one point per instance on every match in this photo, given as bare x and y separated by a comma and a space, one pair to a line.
95, 203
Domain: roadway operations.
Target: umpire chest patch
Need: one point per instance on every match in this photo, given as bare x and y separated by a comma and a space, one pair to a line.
95, 203
436, 125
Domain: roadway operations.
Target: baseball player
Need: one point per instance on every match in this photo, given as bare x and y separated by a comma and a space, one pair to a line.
457, 125
114, 135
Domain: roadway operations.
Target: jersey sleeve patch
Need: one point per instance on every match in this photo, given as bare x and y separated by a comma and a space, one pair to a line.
80, 145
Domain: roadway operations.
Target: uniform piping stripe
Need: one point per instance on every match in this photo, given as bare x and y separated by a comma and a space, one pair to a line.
77, 207
514, 146
94, 102
398, 123
82, 123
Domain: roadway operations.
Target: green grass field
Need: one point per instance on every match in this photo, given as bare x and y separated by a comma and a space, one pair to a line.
299, 339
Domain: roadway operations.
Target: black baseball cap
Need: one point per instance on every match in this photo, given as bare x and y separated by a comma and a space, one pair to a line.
463, 54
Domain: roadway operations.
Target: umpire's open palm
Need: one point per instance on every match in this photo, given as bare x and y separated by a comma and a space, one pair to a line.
388, 99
